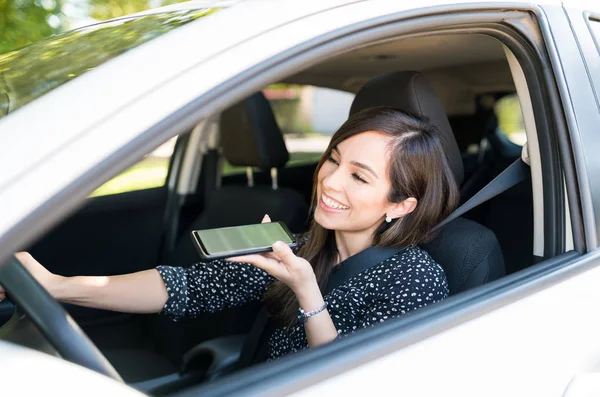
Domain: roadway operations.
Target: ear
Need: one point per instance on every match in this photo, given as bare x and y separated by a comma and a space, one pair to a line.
398, 210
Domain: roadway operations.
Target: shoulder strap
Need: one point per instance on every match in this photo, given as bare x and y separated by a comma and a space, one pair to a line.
358, 263
513, 174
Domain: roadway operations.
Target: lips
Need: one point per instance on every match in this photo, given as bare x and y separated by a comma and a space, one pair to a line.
332, 204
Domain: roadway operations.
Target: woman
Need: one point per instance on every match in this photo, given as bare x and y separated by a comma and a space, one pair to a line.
384, 180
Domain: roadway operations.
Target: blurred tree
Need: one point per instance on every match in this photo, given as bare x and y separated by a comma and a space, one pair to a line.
108, 9
25, 21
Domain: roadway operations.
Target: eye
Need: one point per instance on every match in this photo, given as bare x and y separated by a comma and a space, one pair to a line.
358, 178
332, 160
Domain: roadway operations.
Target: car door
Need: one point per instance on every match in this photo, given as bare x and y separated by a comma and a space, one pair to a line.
538, 332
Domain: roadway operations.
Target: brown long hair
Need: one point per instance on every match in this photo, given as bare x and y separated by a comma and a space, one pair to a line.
418, 168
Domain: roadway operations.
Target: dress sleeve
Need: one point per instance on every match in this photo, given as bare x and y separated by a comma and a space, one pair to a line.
421, 285
211, 287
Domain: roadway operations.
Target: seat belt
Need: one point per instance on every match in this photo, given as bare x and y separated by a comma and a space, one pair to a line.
255, 347
513, 174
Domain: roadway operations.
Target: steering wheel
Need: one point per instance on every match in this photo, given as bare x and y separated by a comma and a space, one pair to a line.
57, 326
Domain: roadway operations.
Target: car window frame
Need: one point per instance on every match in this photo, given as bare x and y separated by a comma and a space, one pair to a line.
503, 291
460, 308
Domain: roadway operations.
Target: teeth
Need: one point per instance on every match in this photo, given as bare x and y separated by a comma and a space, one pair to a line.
333, 204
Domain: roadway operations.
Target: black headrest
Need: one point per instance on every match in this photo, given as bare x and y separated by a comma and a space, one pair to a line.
250, 135
411, 91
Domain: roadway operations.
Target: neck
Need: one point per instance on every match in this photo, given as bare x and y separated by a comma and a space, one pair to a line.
349, 244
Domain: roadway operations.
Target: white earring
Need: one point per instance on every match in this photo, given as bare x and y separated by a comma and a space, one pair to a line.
388, 219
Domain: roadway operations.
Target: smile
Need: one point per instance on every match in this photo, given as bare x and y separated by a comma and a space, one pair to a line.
332, 203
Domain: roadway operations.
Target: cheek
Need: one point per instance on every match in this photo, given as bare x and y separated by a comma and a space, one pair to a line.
371, 200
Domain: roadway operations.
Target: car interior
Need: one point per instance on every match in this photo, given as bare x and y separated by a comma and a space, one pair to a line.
455, 80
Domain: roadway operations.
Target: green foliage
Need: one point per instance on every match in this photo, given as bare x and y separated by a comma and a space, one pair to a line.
25, 21
37, 69
108, 9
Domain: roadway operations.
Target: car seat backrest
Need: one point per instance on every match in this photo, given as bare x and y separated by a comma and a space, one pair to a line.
250, 137
469, 252
411, 91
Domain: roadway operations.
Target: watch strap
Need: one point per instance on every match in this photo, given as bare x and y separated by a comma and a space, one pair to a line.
303, 316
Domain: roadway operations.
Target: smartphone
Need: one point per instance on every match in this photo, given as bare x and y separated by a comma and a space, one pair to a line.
226, 242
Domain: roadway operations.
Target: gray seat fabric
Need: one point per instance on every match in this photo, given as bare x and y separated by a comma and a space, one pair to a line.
469, 252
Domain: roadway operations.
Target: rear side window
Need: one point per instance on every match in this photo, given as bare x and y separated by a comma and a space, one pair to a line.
308, 116
149, 173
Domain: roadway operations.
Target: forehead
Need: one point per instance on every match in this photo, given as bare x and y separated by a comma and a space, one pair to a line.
370, 147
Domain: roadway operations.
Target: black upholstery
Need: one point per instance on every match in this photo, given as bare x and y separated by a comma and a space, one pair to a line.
478, 255
469, 252
250, 136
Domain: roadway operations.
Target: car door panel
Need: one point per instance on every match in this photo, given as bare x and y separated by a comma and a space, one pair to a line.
114, 234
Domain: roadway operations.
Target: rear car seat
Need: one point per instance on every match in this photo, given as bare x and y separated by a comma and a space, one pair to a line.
249, 137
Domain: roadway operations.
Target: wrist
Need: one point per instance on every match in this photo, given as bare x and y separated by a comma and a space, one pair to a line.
59, 288
309, 296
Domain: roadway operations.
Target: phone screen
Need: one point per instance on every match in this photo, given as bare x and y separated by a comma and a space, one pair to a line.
242, 238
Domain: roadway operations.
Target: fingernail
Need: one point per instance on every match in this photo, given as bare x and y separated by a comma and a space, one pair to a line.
278, 245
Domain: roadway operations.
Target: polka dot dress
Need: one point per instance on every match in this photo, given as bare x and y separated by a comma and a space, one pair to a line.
409, 280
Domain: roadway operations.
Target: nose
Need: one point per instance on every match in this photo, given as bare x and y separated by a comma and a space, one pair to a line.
333, 181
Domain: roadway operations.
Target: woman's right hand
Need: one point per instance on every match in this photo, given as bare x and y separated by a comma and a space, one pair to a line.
47, 279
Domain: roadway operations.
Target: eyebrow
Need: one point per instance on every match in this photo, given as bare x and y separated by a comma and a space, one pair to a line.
357, 164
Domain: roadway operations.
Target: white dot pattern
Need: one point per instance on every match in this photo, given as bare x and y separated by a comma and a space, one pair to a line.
408, 280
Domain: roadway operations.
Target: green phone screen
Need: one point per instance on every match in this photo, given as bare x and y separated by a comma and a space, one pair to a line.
241, 238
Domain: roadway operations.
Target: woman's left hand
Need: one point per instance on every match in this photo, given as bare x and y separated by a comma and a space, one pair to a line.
284, 265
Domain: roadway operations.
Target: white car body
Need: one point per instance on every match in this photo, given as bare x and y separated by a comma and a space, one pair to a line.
545, 337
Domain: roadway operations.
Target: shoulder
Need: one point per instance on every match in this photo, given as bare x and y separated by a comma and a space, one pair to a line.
415, 262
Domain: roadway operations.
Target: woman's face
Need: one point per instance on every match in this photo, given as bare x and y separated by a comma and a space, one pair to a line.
353, 184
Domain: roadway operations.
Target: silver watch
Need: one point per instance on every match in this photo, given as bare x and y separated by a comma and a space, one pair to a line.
303, 316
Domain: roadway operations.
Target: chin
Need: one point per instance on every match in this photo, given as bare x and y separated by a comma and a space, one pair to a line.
323, 221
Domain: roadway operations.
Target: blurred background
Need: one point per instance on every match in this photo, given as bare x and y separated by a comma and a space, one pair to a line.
23, 22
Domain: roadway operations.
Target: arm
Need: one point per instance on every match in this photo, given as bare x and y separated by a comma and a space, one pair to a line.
176, 290
141, 292
319, 328
298, 274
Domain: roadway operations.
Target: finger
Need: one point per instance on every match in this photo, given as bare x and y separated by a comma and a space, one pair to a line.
266, 219
284, 252
269, 265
